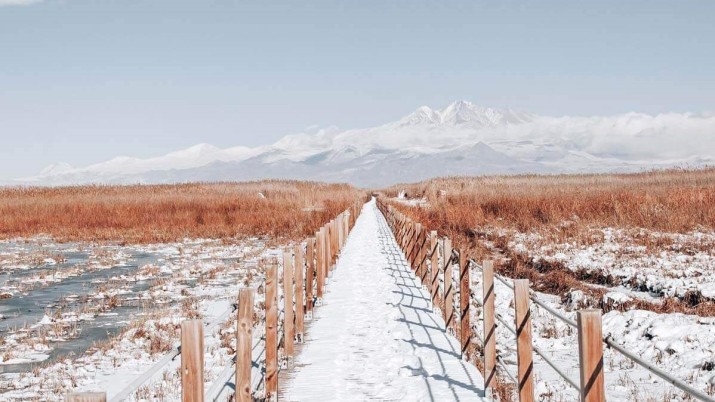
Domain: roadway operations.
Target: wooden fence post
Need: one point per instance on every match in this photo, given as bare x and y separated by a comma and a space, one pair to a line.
192, 361
341, 225
320, 263
328, 250
448, 284
271, 380
465, 328
299, 309
403, 233
409, 235
86, 397
409, 231
410, 242
331, 245
310, 266
404, 228
339, 231
347, 227
434, 269
490, 341
416, 246
525, 358
417, 251
590, 350
424, 253
288, 329
244, 345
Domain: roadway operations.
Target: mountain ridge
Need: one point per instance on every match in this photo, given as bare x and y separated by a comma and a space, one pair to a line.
496, 141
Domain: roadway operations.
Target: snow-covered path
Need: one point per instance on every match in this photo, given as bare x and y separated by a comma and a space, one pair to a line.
376, 337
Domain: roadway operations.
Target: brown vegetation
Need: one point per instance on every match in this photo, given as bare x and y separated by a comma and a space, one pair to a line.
161, 213
673, 200
474, 212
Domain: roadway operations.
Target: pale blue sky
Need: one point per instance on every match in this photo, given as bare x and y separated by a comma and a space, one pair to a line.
83, 81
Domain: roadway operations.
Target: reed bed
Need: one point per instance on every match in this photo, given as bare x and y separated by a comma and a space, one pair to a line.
163, 213
672, 200
481, 214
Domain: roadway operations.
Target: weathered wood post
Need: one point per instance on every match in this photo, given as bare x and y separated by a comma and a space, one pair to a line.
590, 350
320, 266
328, 249
411, 236
331, 238
418, 251
490, 341
299, 307
309, 277
271, 380
86, 397
403, 233
244, 345
434, 269
448, 285
465, 328
416, 246
192, 361
339, 231
401, 237
525, 358
346, 225
411, 226
404, 227
288, 323
422, 263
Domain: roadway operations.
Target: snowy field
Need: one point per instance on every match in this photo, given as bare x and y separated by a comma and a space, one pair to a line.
96, 317
640, 265
657, 263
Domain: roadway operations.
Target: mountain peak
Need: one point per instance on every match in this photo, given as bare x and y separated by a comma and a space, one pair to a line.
465, 113
423, 115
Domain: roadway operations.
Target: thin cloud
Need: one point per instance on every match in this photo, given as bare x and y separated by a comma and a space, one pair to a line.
18, 2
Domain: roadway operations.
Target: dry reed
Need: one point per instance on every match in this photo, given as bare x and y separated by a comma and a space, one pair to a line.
472, 210
161, 213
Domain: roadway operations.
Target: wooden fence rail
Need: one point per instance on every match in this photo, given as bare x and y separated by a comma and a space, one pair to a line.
421, 251
588, 324
304, 274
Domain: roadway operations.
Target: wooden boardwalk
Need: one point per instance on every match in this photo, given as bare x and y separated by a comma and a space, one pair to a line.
377, 337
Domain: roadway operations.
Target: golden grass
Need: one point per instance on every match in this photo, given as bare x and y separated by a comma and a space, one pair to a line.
673, 200
472, 210
161, 213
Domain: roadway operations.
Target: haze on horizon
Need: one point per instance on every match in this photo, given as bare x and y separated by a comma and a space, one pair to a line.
84, 81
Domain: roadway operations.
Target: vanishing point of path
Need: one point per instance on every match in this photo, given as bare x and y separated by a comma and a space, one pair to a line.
376, 337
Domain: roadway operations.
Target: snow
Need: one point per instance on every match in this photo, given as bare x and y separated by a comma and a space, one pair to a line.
684, 262
112, 365
376, 336
682, 345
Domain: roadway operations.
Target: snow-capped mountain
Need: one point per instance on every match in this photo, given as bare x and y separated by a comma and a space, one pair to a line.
460, 139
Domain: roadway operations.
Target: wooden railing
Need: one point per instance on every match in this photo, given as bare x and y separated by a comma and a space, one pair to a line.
305, 269
433, 257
